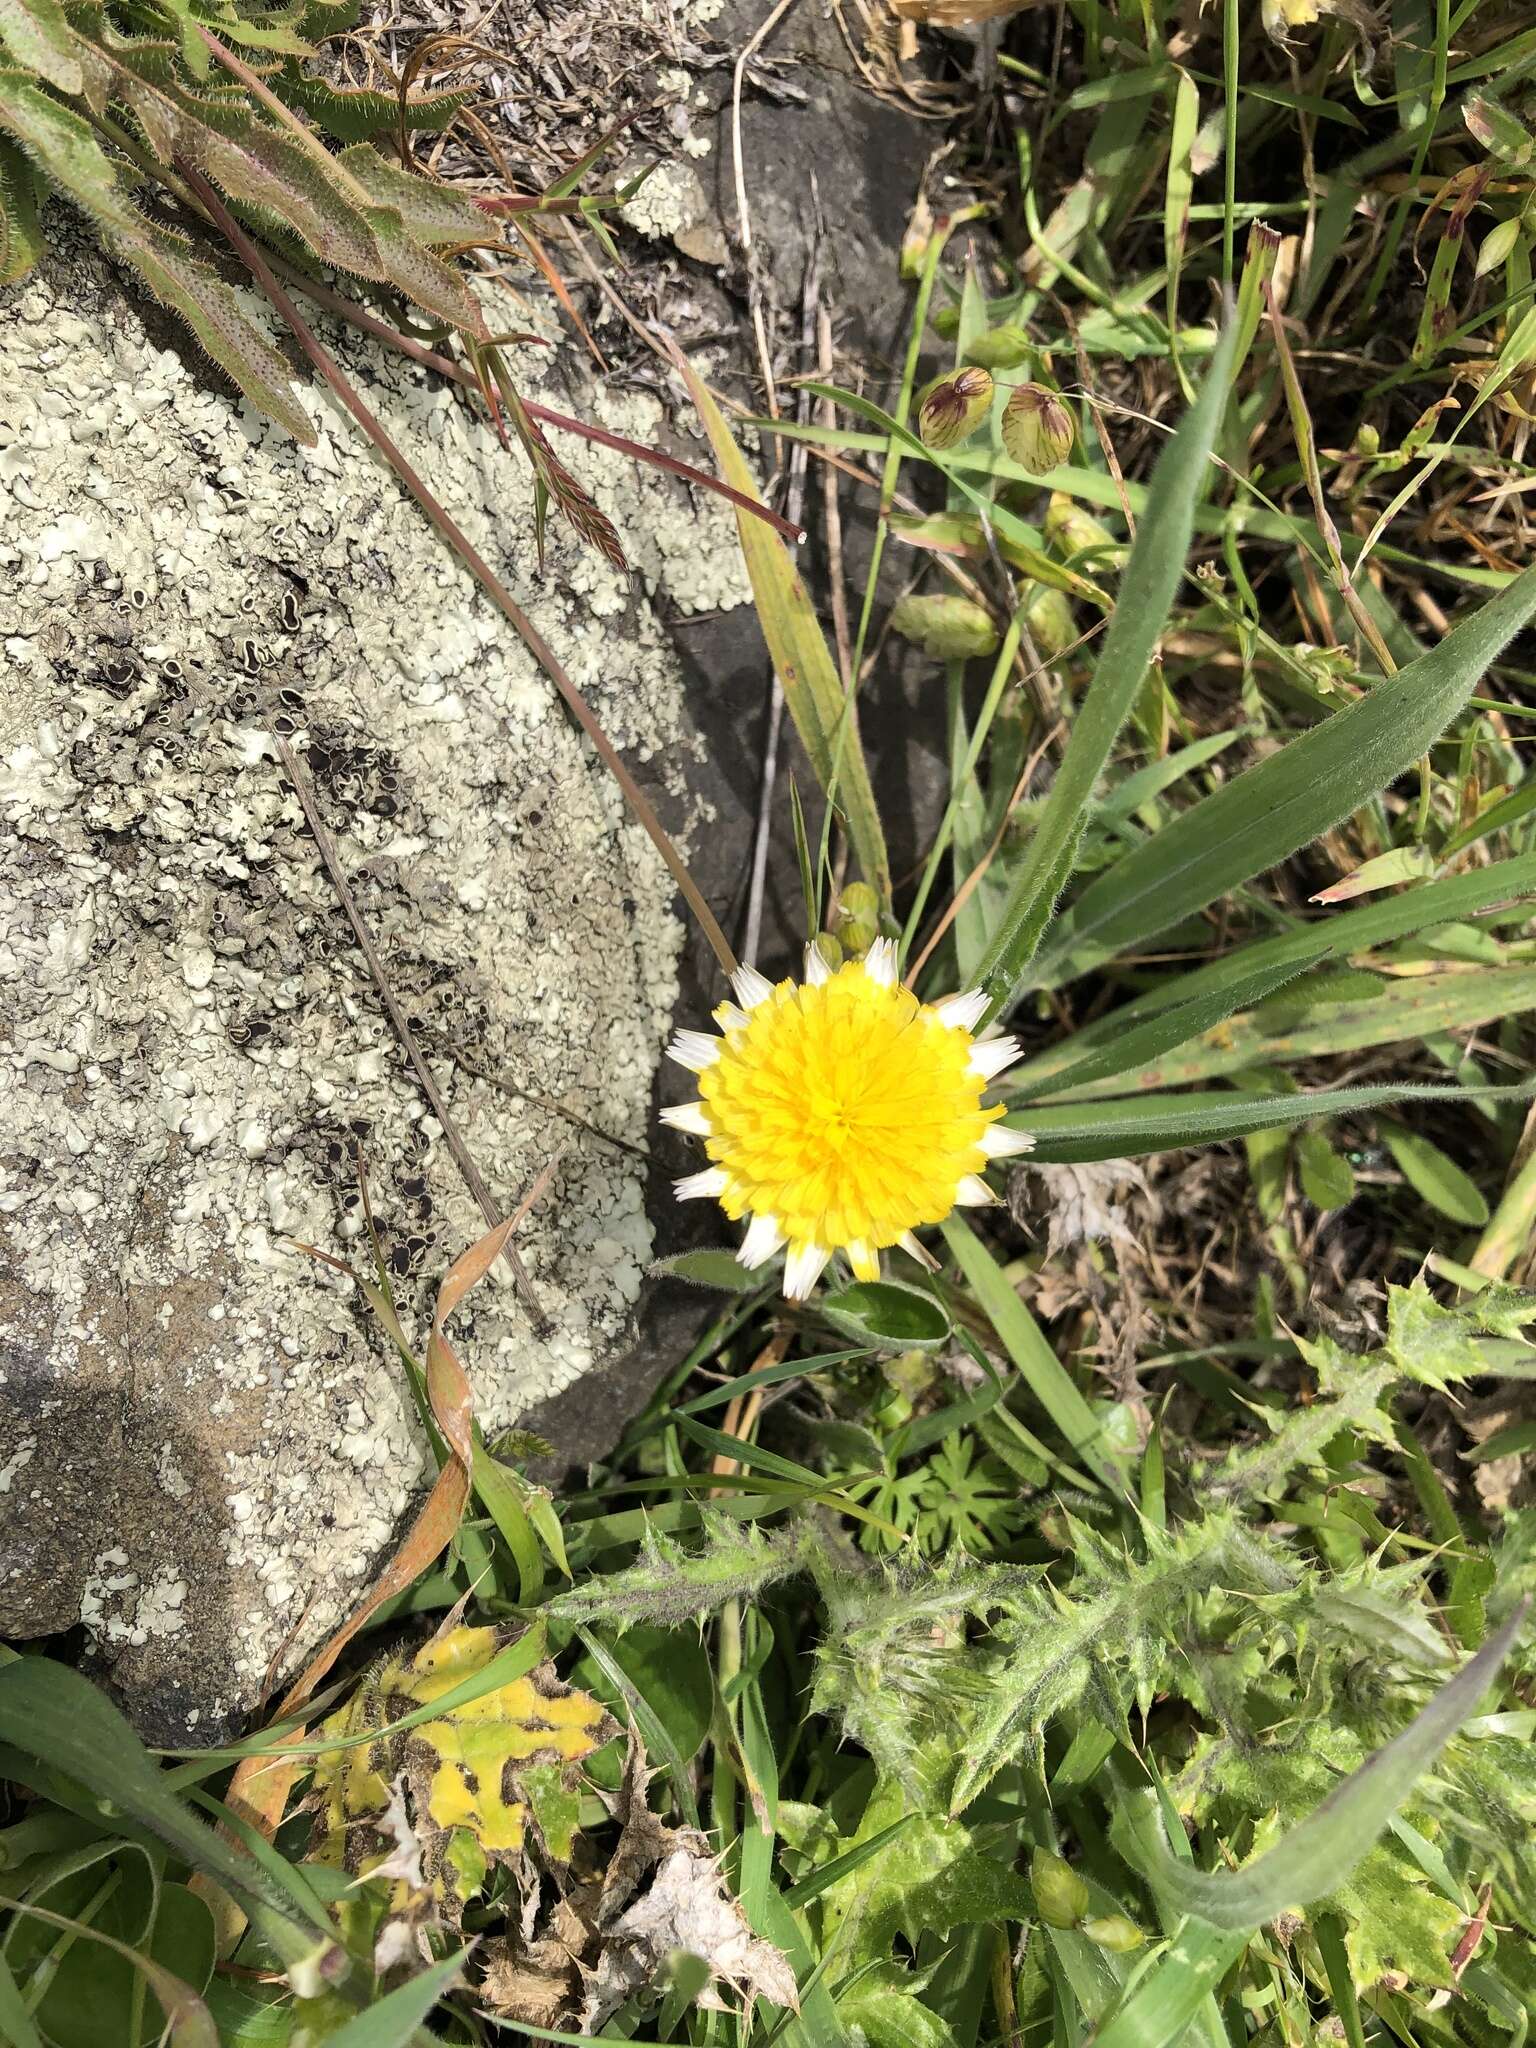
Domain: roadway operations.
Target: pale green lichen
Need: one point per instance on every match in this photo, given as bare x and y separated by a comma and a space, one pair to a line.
192, 1044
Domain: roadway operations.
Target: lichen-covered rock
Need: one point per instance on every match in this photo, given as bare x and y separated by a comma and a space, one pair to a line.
204, 1447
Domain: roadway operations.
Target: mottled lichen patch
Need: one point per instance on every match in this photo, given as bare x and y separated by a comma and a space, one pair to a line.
193, 1049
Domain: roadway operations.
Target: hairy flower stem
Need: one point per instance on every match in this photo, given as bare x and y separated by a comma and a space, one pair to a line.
467, 553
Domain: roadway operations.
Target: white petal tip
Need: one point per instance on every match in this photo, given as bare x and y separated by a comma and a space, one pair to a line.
762, 1240
694, 1050
962, 1012
999, 1141
973, 1193
880, 962
705, 1186
751, 987
915, 1249
690, 1117
729, 1018
989, 1056
802, 1269
816, 969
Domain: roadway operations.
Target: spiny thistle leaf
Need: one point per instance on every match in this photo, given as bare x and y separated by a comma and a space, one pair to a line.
21, 239
353, 113
1426, 1342
669, 1585
1103, 1644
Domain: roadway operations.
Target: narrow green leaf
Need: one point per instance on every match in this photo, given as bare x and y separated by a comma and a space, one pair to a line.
1437, 1180
1316, 1857
1411, 1009
1023, 1339
432, 212
16, 2024
1165, 2001
1282, 803
53, 1713
1343, 935
1074, 1132
824, 716
1124, 1052
392, 2023
353, 113
1147, 590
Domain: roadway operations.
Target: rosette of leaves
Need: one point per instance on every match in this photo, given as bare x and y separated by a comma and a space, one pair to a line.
117, 104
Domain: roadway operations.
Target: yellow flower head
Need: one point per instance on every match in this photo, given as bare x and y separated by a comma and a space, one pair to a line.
841, 1114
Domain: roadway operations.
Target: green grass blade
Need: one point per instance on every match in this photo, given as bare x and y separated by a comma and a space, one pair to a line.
1165, 1032
393, 2022
1166, 2000
1414, 1010
1147, 591
1132, 1127
1316, 1857
1023, 1339
824, 715
1341, 934
51, 1712
1261, 817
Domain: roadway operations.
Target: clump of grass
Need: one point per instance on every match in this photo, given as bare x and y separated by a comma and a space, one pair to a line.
991, 1700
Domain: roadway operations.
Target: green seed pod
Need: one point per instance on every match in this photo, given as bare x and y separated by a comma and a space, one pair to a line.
945, 627
954, 405
1114, 1932
1061, 1897
1048, 615
1036, 428
1072, 531
1001, 348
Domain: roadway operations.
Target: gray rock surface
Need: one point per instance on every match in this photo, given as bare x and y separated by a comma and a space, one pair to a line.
204, 1446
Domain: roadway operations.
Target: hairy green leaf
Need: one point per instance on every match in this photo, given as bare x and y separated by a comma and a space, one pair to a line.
21, 235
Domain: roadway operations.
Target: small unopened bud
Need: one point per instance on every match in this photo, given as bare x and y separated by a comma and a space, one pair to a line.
914, 242
1061, 1897
1001, 348
1072, 531
857, 921
1114, 1932
1048, 616
954, 405
830, 948
949, 628
1036, 428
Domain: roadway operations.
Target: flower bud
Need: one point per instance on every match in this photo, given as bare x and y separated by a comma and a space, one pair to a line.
1070, 531
1061, 1897
858, 899
954, 405
915, 239
830, 948
1048, 616
1001, 348
1114, 1932
1036, 428
945, 627
1367, 439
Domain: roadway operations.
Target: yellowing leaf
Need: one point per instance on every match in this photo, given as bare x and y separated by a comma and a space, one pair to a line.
469, 1784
